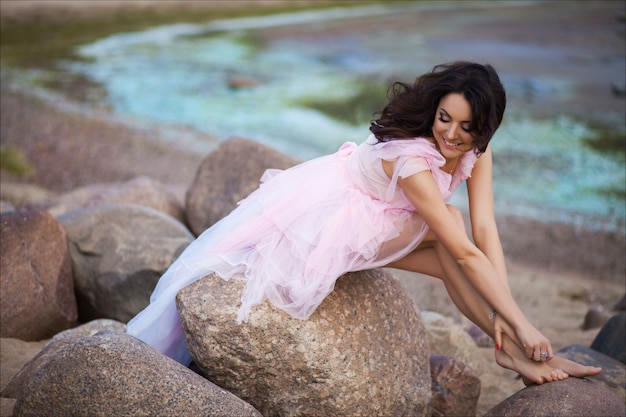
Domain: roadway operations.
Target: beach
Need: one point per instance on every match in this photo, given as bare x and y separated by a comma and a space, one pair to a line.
557, 272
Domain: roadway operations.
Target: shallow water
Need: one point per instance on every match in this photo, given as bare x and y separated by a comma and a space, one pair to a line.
243, 77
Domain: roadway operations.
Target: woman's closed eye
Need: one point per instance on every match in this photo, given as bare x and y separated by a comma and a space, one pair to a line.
464, 126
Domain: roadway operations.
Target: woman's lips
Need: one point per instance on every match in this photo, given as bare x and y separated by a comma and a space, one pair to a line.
450, 145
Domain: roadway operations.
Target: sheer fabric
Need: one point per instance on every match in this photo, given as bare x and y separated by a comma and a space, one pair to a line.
302, 229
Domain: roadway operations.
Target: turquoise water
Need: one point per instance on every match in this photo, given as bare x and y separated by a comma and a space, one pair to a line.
184, 75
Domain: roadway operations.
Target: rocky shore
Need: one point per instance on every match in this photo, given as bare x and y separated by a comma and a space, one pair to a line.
76, 286
66, 253
85, 160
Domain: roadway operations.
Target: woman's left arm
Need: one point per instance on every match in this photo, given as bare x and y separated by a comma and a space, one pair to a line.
484, 228
482, 215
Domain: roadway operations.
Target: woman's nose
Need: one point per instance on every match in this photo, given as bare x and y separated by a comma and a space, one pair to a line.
452, 132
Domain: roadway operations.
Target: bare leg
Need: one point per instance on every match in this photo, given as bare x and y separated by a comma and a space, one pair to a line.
435, 261
512, 355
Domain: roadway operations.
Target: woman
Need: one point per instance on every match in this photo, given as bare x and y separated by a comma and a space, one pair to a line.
378, 204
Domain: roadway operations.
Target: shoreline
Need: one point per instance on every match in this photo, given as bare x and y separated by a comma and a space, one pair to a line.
126, 150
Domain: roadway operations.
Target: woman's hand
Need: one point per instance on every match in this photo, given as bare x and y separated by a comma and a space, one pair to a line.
528, 338
535, 344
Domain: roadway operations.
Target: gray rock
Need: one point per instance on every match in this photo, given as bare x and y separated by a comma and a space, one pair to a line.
447, 338
618, 89
22, 195
114, 374
51, 348
226, 176
363, 352
455, 387
73, 199
142, 191
613, 372
481, 338
611, 340
119, 252
567, 398
595, 318
35, 277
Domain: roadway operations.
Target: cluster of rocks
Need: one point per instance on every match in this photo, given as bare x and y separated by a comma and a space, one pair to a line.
78, 267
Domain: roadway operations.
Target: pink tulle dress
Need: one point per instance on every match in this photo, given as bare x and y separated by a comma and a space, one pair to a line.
302, 229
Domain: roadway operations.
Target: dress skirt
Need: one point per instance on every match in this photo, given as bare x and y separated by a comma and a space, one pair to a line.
290, 240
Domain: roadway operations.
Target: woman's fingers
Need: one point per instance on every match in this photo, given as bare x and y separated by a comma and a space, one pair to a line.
536, 346
535, 354
541, 353
498, 330
550, 353
498, 338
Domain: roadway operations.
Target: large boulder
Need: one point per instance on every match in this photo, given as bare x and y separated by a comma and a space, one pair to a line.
363, 352
142, 191
35, 277
50, 349
611, 340
613, 371
115, 374
455, 387
119, 252
567, 398
226, 176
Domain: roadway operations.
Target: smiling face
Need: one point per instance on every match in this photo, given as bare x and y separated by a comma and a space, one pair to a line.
451, 126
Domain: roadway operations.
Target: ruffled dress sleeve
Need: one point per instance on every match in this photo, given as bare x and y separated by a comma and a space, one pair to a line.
412, 156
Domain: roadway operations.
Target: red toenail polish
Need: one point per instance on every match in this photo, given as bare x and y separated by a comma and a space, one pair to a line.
497, 347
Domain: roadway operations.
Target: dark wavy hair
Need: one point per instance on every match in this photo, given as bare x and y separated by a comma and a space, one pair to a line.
411, 109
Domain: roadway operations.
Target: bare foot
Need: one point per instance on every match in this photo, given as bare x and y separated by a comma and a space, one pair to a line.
573, 368
532, 372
